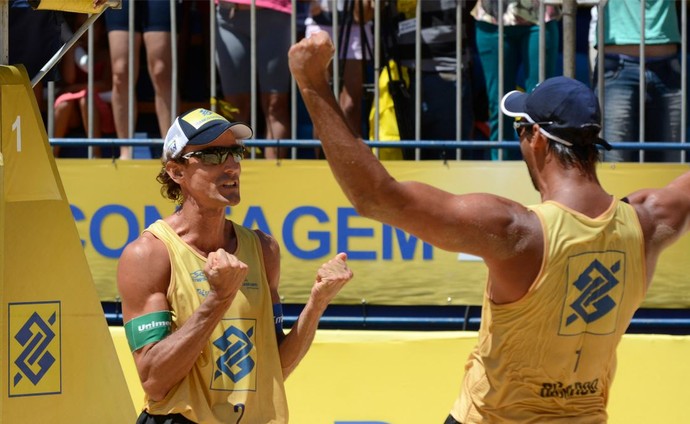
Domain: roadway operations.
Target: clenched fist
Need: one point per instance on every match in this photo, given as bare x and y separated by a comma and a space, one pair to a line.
330, 278
309, 59
225, 273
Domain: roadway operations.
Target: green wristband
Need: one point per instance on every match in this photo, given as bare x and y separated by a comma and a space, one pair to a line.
149, 328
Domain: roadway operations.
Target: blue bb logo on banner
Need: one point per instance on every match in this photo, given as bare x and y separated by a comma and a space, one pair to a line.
34, 349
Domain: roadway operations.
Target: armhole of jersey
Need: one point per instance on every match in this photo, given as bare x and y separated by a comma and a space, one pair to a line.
643, 252
546, 248
171, 283
262, 260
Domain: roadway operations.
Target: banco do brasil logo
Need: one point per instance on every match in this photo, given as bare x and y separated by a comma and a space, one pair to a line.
35, 359
235, 354
595, 285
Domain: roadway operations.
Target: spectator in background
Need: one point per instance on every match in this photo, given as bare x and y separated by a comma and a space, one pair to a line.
439, 79
520, 45
662, 87
71, 105
233, 56
34, 38
355, 48
152, 26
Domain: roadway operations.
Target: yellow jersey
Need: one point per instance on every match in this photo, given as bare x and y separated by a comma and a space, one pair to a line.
237, 377
551, 356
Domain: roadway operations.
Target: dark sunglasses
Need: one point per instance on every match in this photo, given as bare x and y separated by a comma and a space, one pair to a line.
217, 155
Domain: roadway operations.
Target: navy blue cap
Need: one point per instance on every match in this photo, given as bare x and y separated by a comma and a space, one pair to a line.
199, 127
567, 110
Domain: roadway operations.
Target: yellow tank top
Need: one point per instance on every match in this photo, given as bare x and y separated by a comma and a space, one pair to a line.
551, 356
238, 376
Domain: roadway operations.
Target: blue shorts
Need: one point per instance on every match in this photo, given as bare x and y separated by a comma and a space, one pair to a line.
233, 46
451, 420
149, 15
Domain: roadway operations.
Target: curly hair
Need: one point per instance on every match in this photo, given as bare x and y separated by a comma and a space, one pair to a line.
169, 188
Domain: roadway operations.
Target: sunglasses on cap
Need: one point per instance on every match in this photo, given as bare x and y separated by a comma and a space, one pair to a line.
520, 123
217, 155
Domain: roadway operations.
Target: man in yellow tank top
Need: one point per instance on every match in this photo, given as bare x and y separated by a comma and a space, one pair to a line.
565, 276
200, 293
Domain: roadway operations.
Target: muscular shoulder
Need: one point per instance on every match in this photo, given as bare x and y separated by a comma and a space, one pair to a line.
269, 245
662, 213
145, 248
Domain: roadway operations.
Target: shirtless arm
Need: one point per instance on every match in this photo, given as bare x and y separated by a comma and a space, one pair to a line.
330, 278
143, 277
664, 216
481, 224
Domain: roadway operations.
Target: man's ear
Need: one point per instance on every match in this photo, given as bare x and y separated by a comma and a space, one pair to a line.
175, 171
538, 139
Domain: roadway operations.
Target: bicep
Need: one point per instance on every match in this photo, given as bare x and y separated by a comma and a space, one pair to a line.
476, 223
143, 277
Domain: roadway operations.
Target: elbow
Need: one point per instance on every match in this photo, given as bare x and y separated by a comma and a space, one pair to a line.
373, 209
154, 389
362, 207
377, 199
366, 204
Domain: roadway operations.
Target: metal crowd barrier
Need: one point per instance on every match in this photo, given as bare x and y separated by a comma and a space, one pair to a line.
569, 6
404, 144
439, 318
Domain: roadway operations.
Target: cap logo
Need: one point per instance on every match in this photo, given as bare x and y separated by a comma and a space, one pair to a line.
199, 117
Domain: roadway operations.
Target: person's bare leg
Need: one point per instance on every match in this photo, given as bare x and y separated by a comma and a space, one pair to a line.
351, 95
159, 61
64, 117
277, 113
119, 45
243, 104
84, 111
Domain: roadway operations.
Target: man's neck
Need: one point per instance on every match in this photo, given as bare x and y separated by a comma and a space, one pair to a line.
204, 230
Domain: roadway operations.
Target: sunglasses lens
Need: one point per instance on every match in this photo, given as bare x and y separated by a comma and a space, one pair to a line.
214, 158
217, 155
237, 153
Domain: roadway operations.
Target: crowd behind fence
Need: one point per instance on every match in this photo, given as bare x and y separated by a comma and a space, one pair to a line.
568, 18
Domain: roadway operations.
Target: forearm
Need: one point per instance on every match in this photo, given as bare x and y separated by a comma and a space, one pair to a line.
166, 363
358, 172
298, 341
330, 278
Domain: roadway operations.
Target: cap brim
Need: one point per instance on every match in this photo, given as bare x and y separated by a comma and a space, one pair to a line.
513, 105
239, 130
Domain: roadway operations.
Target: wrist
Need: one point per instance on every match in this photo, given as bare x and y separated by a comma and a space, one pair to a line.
215, 297
316, 304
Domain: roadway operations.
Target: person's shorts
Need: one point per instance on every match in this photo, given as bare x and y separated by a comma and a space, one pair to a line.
233, 50
451, 420
355, 48
146, 418
149, 15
